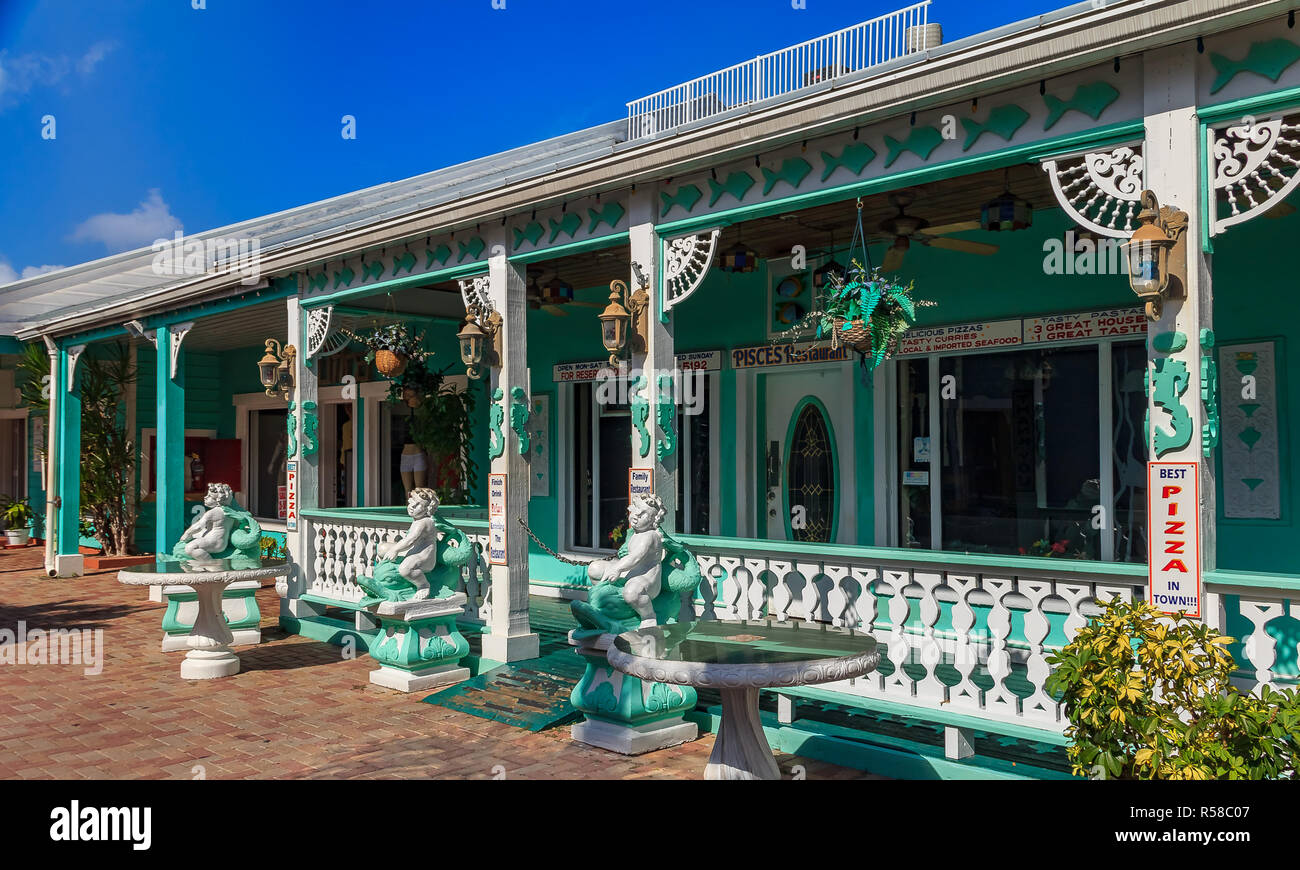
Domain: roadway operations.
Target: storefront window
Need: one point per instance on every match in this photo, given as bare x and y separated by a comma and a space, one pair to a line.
1128, 365
914, 452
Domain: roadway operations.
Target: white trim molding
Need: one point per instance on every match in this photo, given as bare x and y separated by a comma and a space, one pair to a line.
178, 332
74, 354
1258, 160
686, 261
1100, 190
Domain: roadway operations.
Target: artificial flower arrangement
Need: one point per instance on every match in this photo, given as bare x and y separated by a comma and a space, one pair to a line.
391, 347
1047, 549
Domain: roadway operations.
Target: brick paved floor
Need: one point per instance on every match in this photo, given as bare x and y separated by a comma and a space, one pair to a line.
296, 710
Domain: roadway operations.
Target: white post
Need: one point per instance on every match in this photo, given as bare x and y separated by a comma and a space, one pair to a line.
303, 463
1173, 154
658, 361
510, 638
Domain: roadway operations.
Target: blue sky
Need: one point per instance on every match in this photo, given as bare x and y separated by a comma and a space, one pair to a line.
168, 117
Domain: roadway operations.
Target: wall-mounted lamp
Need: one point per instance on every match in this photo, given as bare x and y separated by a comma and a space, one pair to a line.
1157, 256
474, 342
625, 313
276, 368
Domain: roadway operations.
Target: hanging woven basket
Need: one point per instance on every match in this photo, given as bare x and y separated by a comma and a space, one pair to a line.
857, 336
390, 364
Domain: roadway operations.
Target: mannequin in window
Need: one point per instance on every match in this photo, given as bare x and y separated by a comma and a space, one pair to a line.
415, 465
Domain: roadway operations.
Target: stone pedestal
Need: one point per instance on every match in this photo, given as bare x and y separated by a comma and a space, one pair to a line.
418, 646
626, 714
238, 605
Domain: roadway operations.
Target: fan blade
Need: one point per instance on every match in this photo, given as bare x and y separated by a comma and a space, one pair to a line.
959, 227
893, 259
963, 245
555, 310
587, 304
1281, 210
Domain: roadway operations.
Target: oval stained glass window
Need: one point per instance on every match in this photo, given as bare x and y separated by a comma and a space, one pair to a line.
810, 476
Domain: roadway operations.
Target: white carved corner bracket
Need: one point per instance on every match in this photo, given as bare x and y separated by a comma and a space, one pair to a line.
1100, 190
178, 332
319, 322
686, 261
74, 354
1252, 159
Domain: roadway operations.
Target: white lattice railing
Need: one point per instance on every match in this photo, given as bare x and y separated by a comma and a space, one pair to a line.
1265, 620
343, 547
969, 636
781, 72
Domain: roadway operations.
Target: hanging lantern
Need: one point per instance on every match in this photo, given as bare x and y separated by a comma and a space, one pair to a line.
1007, 212
613, 322
471, 346
275, 368
557, 292
738, 259
1148, 252
832, 269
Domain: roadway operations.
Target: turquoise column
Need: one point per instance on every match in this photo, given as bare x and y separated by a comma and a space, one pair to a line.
169, 463
68, 485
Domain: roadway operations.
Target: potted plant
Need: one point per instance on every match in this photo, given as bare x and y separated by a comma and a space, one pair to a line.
18, 516
391, 348
866, 311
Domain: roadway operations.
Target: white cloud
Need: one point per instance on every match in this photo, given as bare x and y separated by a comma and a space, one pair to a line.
8, 274
21, 73
150, 221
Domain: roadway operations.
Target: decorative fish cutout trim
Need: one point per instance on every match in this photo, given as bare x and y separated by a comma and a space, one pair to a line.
793, 171
1269, 59
473, 248
611, 214
737, 184
317, 282
1090, 99
921, 141
343, 277
406, 261
438, 254
531, 234
568, 225
1003, 122
854, 158
372, 271
686, 196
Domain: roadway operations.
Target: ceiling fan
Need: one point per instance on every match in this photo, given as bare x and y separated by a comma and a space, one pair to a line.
552, 294
904, 229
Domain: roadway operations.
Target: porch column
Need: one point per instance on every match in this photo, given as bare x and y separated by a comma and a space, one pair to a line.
1173, 152
65, 390
302, 453
511, 638
657, 362
169, 451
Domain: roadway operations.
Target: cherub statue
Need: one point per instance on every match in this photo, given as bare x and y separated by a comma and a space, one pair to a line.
223, 530
427, 558
643, 585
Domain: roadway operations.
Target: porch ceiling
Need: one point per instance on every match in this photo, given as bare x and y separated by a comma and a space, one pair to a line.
245, 327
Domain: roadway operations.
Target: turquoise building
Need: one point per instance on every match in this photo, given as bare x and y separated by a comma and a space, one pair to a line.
968, 500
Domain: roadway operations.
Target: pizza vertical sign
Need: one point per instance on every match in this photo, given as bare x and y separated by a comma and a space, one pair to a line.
291, 496
1174, 539
496, 519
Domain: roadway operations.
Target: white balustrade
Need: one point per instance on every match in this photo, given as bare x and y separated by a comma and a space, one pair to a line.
781, 72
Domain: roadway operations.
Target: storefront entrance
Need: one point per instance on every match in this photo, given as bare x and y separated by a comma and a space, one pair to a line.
808, 454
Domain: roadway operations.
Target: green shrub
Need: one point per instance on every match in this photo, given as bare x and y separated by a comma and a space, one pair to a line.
1148, 697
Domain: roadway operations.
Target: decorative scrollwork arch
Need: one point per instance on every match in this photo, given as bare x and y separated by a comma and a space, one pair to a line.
320, 322
1100, 189
1258, 161
686, 261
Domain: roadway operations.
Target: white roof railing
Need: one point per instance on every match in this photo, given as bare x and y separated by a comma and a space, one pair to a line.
781, 72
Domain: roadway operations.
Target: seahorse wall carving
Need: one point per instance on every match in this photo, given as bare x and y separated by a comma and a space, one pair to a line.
496, 419
1209, 394
666, 412
291, 426
309, 422
1169, 381
519, 413
639, 404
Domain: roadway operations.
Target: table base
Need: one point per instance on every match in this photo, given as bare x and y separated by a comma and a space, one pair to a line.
209, 664
741, 750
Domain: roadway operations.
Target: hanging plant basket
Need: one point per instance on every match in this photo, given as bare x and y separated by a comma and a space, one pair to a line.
857, 336
390, 364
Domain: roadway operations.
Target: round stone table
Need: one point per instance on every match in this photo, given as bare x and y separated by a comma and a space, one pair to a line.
209, 640
739, 657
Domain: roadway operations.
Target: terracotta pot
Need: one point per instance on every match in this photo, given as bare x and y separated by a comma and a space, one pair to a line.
389, 364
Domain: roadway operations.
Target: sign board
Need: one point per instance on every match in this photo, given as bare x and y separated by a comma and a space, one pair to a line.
578, 372
640, 481
282, 502
497, 519
291, 495
700, 361
959, 337
1093, 324
788, 354
921, 448
916, 478
1174, 537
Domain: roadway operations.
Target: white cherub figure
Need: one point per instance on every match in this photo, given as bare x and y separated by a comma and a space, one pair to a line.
643, 565
420, 543
210, 533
